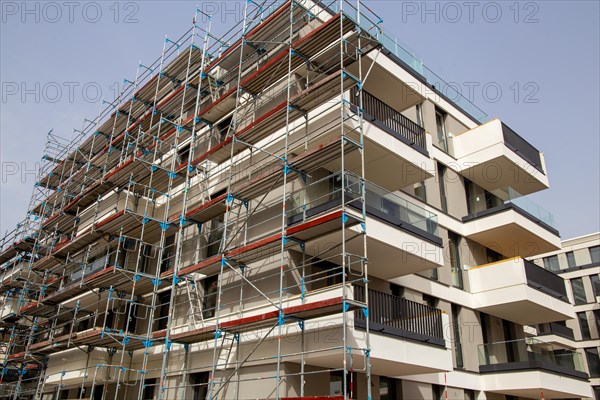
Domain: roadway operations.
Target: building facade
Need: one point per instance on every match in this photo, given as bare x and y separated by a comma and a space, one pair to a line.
578, 262
297, 209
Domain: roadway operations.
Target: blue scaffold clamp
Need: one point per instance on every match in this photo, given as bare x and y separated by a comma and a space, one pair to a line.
156, 282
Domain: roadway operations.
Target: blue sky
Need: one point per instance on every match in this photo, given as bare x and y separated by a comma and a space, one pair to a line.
536, 65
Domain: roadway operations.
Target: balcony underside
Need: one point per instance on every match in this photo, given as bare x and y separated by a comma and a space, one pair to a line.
519, 291
391, 251
525, 311
494, 156
502, 171
511, 232
536, 384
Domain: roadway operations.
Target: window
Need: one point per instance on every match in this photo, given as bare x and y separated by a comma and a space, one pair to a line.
222, 127
593, 361
442, 184
571, 259
430, 300
215, 236
434, 275
597, 319
492, 256
419, 111
387, 388
455, 265
164, 299
397, 290
325, 273
491, 200
584, 325
596, 392
421, 191
169, 254
199, 384
98, 391
595, 284
469, 394
457, 340
510, 343
551, 263
149, 386
578, 291
184, 154
336, 384
438, 392
469, 193
440, 123
595, 254
210, 286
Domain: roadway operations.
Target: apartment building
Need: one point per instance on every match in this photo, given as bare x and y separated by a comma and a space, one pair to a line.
578, 262
299, 209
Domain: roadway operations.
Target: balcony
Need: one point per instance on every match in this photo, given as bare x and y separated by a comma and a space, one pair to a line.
392, 143
555, 329
494, 156
510, 224
414, 330
518, 290
402, 238
394, 316
533, 369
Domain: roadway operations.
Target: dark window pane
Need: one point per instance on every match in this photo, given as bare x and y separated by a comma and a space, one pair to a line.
584, 325
595, 284
578, 291
593, 362
551, 263
442, 185
457, 339
595, 254
387, 388
571, 259
438, 392
455, 264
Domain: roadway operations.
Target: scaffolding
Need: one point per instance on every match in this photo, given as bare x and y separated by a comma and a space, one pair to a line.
211, 218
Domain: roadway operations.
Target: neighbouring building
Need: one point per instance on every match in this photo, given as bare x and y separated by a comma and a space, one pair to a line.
578, 262
297, 209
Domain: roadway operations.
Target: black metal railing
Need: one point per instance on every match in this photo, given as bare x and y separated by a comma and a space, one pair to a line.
553, 328
522, 147
387, 117
545, 281
395, 316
